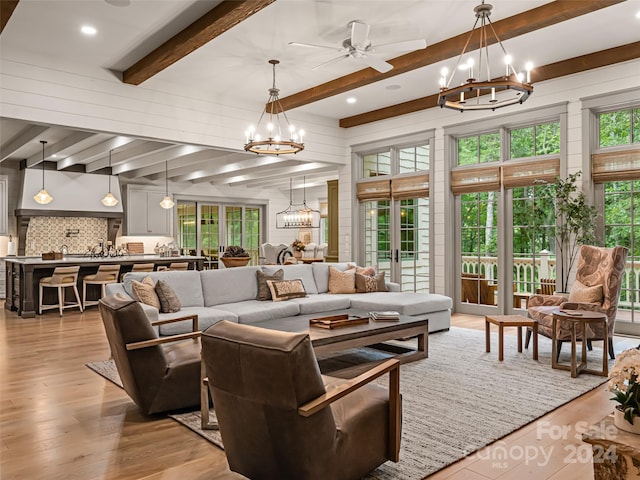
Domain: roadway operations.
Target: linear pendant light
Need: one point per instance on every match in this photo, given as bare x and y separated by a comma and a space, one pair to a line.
43, 197
109, 200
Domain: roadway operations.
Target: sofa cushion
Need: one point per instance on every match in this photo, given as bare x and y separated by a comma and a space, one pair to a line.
186, 284
322, 303
407, 303
286, 289
145, 292
586, 294
264, 292
342, 282
291, 272
370, 283
229, 285
252, 311
207, 316
321, 273
169, 301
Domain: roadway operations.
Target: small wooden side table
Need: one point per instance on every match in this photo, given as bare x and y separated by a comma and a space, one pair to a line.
575, 318
502, 321
615, 452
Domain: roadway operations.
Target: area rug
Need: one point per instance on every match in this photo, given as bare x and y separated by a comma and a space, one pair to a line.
458, 400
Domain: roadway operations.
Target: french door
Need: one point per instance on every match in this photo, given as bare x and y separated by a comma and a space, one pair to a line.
396, 239
208, 228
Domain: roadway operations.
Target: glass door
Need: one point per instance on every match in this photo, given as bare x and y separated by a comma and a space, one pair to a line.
411, 257
209, 223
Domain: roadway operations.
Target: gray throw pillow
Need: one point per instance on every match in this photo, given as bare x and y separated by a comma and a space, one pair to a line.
264, 293
169, 302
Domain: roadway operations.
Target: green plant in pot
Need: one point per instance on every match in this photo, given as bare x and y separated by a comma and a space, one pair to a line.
576, 224
624, 383
235, 256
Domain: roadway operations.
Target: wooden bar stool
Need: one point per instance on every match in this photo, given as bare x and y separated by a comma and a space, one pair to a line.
62, 278
140, 267
178, 266
105, 274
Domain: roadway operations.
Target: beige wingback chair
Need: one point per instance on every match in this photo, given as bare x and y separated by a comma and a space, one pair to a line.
596, 266
280, 418
159, 374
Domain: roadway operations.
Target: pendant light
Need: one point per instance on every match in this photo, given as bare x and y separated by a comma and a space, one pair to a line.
109, 200
43, 197
166, 202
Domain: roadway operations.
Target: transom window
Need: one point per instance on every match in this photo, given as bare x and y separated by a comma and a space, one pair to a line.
542, 139
621, 127
479, 149
376, 164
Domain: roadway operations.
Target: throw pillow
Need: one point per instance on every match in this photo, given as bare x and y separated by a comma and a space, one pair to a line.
264, 293
368, 283
286, 289
169, 301
584, 294
145, 292
369, 271
342, 282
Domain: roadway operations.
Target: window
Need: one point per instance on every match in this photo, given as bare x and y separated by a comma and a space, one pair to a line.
542, 139
621, 127
413, 159
375, 164
479, 149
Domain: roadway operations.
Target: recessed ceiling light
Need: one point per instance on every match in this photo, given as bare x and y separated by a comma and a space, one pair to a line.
54, 156
351, 100
88, 30
638, 14
393, 87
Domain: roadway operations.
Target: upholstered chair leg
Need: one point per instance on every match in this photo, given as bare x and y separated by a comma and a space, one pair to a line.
612, 354
527, 338
559, 346
589, 344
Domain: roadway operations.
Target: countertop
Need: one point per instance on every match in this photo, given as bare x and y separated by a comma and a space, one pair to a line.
75, 259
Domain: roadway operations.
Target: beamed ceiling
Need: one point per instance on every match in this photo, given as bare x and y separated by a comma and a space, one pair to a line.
223, 46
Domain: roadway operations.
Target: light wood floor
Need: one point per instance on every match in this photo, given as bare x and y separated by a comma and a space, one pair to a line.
60, 420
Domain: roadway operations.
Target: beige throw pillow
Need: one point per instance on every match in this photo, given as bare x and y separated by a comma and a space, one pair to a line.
145, 292
264, 293
342, 282
169, 301
369, 271
584, 294
368, 283
286, 289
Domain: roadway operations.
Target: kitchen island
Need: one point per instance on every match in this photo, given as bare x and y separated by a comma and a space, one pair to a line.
23, 274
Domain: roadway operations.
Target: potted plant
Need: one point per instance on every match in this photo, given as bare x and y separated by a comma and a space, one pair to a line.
298, 247
623, 382
235, 256
576, 225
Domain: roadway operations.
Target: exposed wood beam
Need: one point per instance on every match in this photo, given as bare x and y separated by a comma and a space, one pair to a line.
218, 20
6, 10
582, 63
155, 164
128, 155
56, 148
299, 169
232, 163
516, 25
93, 152
283, 165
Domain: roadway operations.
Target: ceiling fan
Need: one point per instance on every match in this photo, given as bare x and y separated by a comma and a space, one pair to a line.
359, 47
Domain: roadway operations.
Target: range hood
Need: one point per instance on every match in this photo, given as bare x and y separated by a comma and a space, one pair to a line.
74, 195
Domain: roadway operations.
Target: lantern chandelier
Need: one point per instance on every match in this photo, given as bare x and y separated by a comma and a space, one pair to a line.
274, 142
487, 94
298, 215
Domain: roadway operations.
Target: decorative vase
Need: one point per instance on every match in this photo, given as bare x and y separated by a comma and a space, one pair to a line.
297, 254
231, 262
620, 422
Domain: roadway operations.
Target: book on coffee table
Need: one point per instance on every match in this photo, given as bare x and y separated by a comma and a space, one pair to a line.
337, 321
385, 316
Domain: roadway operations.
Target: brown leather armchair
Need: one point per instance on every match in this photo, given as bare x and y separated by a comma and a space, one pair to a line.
596, 266
159, 374
280, 418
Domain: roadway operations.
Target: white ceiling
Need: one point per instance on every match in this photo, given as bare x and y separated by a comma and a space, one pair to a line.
234, 65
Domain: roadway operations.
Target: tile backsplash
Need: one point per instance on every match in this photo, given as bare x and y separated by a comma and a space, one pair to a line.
77, 233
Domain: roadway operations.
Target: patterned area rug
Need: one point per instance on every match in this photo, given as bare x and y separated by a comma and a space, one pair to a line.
457, 401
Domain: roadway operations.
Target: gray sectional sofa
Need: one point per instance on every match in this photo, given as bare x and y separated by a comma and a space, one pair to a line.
230, 294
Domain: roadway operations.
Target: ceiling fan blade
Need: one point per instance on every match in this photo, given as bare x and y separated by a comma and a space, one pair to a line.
311, 45
359, 34
329, 62
377, 63
406, 46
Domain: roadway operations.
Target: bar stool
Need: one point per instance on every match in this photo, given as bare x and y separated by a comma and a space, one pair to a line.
178, 266
62, 278
105, 274
140, 267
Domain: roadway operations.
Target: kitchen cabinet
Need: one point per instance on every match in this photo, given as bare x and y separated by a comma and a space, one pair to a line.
145, 216
3, 281
4, 207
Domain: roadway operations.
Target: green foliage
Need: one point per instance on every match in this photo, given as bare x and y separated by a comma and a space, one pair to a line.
630, 400
235, 251
543, 139
479, 149
576, 225
621, 127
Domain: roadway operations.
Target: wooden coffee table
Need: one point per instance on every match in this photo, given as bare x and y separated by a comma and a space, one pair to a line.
362, 335
575, 318
509, 321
